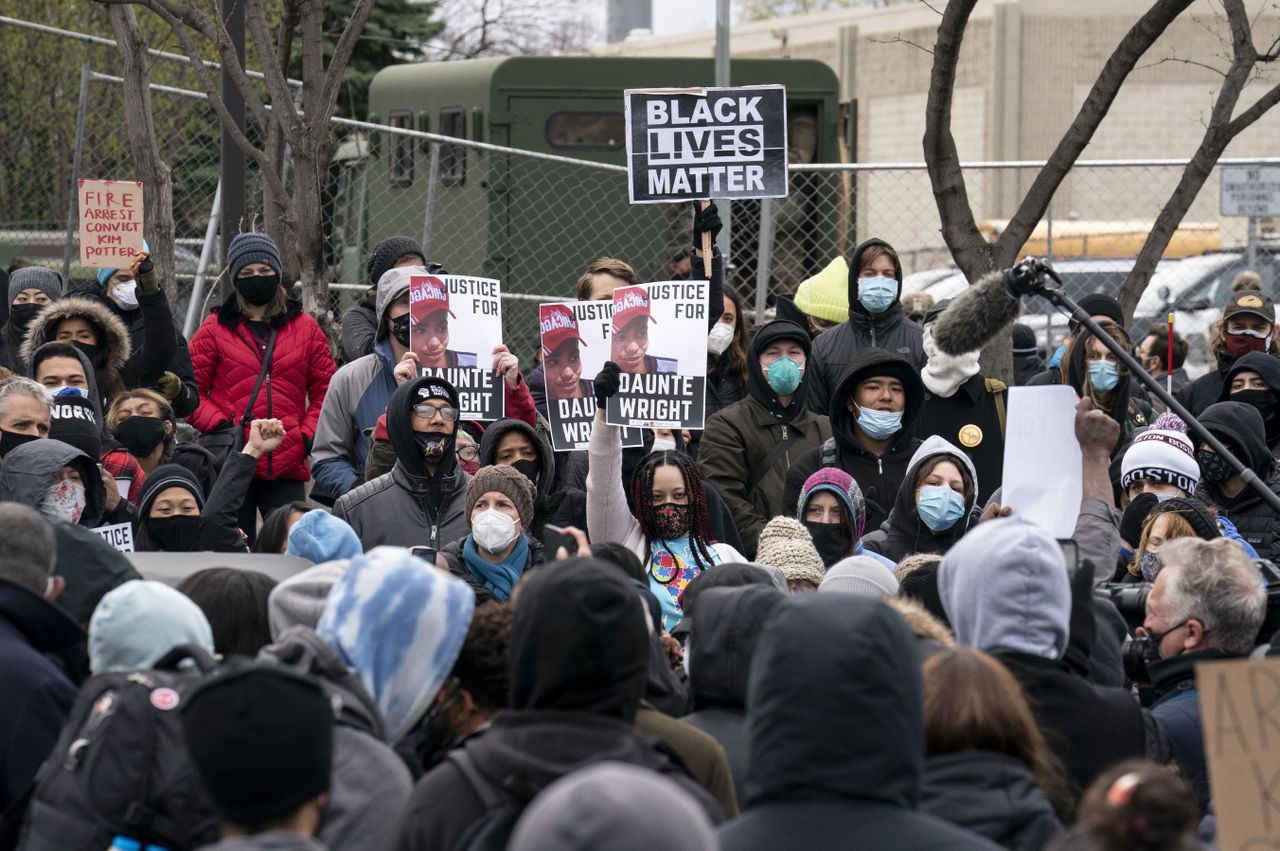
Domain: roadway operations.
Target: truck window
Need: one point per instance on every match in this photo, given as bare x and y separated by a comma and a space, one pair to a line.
401, 166
604, 131
453, 158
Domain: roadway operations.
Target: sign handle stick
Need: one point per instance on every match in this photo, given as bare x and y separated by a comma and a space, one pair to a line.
706, 245
1168, 379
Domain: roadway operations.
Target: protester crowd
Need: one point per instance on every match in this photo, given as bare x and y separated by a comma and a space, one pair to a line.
497, 645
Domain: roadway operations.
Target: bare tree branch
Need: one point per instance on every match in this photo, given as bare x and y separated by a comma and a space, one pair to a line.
898, 39
283, 109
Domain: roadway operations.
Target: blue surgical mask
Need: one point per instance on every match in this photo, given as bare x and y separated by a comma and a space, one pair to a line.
1162, 497
784, 375
939, 507
876, 294
879, 425
1103, 375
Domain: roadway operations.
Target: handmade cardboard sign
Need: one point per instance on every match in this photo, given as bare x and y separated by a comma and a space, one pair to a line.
686, 144
575, 346
455, 322
111, 218
663, 386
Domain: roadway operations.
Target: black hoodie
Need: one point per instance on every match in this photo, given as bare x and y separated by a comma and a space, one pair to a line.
1129, 412
879, 476
1268, 369
835, 733
835, 349
1240, 426
561, 506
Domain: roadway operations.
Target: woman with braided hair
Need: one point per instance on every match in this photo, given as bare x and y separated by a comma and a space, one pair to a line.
667, 527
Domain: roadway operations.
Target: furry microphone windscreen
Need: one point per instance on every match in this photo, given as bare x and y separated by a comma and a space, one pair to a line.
975, 316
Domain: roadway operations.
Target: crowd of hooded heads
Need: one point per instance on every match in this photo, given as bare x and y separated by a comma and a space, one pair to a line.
812, 623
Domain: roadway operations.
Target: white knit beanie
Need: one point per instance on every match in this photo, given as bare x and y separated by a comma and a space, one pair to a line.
1162, 453
786, 544
860, 575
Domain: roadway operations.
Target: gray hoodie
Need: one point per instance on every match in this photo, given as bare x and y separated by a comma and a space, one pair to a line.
29, 470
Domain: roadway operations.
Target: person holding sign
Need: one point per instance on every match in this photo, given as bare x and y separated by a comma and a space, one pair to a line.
630, 338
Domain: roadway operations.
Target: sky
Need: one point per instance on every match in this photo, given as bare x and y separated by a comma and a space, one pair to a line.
671, 17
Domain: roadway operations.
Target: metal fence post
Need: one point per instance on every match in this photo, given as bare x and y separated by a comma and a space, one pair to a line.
73, 201
764, 257
1251, 246
206, 256
433, 178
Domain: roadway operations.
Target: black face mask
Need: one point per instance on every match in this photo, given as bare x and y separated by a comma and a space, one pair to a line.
1263, 400
434, 446
830, 540
175, 534
20, 315
531, 470
1213, 466
400, 330
140, 435
433, 738
258, 290
95, 353
11, 440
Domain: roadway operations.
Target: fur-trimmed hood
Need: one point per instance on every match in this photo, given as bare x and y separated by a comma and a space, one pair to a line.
115, 336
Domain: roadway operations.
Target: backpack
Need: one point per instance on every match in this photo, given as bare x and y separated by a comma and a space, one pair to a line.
120, 767
493, 830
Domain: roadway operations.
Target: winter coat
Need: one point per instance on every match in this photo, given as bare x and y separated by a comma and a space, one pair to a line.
879, 476
739, 439
723, 389
973, 419
835, 349
227, 361
359, 331
1241, 427
457, 565
701, 755
219, 528
1208, 388
29, 470
730, 622
991, 794
152, 319
907, 533
559, 506
1180, 382
11, 348
1268, 369
1177, 709
370, 784
836, 761
37, 696
357, 396
117, 362
408, 507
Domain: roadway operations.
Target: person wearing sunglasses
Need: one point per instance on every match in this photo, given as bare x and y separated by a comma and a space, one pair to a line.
420, 502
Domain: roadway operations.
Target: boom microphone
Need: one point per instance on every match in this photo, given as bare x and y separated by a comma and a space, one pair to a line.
975, 316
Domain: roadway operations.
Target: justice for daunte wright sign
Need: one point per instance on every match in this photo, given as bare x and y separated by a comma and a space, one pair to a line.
686, 144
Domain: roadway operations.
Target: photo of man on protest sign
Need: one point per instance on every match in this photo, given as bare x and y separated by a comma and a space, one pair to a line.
452, 320
575, 343
668, 389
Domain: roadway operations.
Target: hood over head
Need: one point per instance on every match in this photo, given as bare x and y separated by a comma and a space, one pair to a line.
835, 704
595, 620
1241, 427
400, 423
139, 622
1267, 366
91, 567
1077, 371
870, 363
91, 377
299, 600
730, 624
391, 285
1005, 588
29, 469
903, 519
320, 537
758, 385
855, 265
112, 334
546, 457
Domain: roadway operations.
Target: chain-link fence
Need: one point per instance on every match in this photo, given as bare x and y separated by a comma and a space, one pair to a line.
535, 220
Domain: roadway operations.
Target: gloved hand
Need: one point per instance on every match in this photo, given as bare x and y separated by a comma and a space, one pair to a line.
705, 220
144, 272
1025, 278
169, 385
607, 383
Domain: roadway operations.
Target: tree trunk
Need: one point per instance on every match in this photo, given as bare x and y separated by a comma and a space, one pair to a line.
308, 232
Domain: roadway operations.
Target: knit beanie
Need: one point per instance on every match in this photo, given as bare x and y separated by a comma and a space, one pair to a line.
826, 294
921, 585
318, 537
785, 544
386, 253
1162, 453
249, 248
74, 421
299, 600
138, 622
860, 575
1024, 340
1100, 304
168, 476
261, 740
507, 481
836, 481
39, 278
1202, 521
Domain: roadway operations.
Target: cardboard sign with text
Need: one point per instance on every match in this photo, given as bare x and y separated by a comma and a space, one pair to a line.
1240, 710
575, 346
659, 341
688, 144
455, 322
111, 218
119, 536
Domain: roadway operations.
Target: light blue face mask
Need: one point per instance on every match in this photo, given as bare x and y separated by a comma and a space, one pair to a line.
784, 375
876, 294
1057, 356
879, 425
1103, 375
1162, 497
939, 507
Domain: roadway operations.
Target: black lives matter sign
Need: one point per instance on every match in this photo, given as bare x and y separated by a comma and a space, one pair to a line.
687, 144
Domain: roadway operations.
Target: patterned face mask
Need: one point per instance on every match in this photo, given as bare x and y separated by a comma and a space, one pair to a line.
1150, 566
672, 521
64, 503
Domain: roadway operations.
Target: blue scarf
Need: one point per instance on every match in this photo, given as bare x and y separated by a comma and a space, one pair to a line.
498, 578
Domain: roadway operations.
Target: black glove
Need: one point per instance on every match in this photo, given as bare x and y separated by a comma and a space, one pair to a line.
146, 266
707, 220
607, 383
1026, 278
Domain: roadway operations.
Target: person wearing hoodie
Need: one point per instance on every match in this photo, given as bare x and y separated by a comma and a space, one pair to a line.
173, 514
136, 624
92, 328
729, 625
1094, 372
30, 290
1006, 592
747, 448
1248, 325
1255, 380
1101, 308
76, 422
568, 709
833, 509
499, 550
362, 325
935, 504
516, 444
876, 321
57, 480
835, 733
1241, 428
1027, 362
873, 414
420, 502
139, 301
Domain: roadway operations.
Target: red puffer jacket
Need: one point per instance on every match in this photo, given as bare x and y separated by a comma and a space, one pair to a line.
227, 361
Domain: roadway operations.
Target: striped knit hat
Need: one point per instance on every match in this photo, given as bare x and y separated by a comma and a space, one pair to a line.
836, 481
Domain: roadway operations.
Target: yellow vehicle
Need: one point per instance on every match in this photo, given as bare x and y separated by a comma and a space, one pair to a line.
1077, 239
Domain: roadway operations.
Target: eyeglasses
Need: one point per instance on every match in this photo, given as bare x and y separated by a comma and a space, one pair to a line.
468, 452
426, 411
